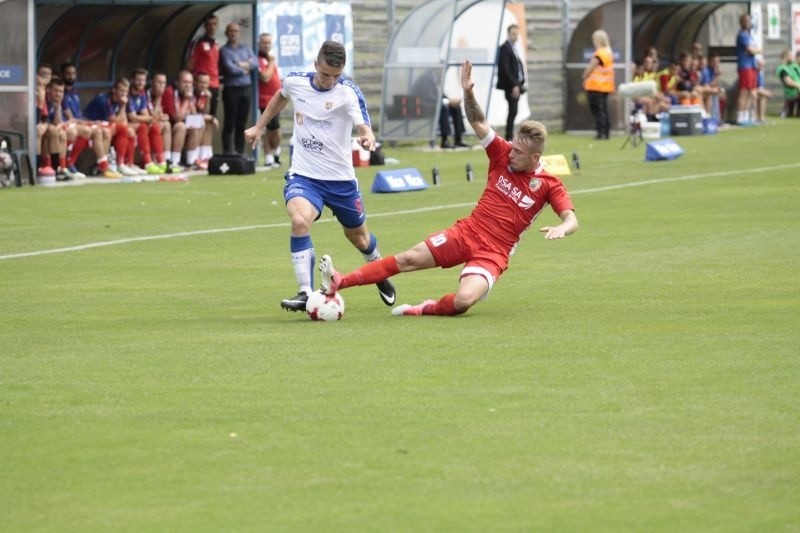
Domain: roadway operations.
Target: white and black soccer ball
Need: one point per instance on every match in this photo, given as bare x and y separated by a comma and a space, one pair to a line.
320, 306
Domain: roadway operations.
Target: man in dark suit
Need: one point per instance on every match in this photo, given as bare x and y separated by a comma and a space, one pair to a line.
510, 76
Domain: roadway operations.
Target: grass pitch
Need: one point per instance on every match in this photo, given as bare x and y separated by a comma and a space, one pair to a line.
641, 374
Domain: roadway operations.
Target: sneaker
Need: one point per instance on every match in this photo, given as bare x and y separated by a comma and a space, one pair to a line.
386, 291
125, 170
276, 165
199, 165
153, 169
411, 310
47, 172
110, 173
295, 303
73, 173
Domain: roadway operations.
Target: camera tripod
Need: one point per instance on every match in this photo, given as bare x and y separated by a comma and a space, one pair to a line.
634, 132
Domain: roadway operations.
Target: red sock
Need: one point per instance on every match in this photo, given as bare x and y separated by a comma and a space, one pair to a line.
102, 165
144, 142
120, 142
156, 142
62, 161
372, 272
78, 147
130, 153
445, 306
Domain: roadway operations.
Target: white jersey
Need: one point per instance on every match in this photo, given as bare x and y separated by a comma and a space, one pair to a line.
323, 126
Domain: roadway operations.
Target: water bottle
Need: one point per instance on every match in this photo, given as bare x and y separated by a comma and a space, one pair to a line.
435, 174
576, 161
470, 173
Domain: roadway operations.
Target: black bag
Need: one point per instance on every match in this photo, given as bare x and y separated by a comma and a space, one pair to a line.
231, 165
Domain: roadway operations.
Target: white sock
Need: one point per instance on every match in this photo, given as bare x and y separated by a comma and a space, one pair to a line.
277, 151
206, 152
166, 155
270, 159
303, 262
176, 158
191, 155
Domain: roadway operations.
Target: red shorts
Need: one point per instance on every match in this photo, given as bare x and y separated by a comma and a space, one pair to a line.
458, 245
748, 78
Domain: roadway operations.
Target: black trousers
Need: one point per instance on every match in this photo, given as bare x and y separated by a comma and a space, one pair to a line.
513, 105
598, 105
236, 103
446, 113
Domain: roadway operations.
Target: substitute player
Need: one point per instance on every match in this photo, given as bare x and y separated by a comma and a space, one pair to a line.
516, 192
326, 107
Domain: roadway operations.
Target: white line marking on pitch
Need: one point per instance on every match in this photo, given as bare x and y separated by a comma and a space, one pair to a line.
376, 215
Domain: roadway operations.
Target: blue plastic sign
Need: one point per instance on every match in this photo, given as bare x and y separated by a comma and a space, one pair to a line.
11, 75
399, 180
662, 150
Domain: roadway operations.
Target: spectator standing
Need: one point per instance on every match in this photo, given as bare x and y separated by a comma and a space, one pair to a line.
511, 75
426, 88
598, 82
327, 106
269, 83
517, 190
236, 63
746, 51
205, 60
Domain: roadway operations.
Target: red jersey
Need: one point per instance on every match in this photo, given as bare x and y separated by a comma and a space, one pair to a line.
511, 201
267, 90
206, 59
172, 103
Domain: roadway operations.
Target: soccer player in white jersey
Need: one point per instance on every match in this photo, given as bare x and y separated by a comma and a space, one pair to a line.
326, 107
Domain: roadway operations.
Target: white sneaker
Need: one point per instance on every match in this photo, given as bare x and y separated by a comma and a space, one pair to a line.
74, 174
411, 310
330, 278
125, 170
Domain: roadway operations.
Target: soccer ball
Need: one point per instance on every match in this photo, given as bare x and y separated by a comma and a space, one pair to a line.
320, 306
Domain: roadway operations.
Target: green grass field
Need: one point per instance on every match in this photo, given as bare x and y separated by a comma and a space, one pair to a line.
640, 375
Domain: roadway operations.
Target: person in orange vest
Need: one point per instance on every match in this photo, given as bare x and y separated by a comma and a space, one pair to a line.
598, 82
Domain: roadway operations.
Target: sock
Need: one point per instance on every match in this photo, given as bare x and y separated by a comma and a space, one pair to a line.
62, 161
46, 161
371, 253
303, 259
277, 153
206, 152
176, 158
130, 152
120, 143
269, 159
78, 147
444, 307
143, 138
102, 163
156, 141
164, 156
191, 156
372, 272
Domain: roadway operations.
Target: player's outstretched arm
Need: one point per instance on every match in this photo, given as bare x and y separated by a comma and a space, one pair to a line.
475, 114
568, 226
275, 106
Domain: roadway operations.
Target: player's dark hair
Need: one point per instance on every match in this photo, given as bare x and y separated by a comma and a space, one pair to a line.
333, 53
65, 65
139, 71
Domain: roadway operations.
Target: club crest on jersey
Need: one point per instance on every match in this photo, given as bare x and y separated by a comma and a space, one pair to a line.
328, 105
535, 184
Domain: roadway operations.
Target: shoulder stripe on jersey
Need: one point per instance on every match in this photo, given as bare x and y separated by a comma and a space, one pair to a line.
362, 102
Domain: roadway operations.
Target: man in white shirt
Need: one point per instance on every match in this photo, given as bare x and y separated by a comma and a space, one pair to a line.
326, 107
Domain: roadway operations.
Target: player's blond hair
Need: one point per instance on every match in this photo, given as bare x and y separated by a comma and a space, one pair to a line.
533, 134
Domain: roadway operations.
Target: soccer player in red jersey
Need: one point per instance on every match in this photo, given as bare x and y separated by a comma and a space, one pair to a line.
205, 60
269, 83
516, 191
